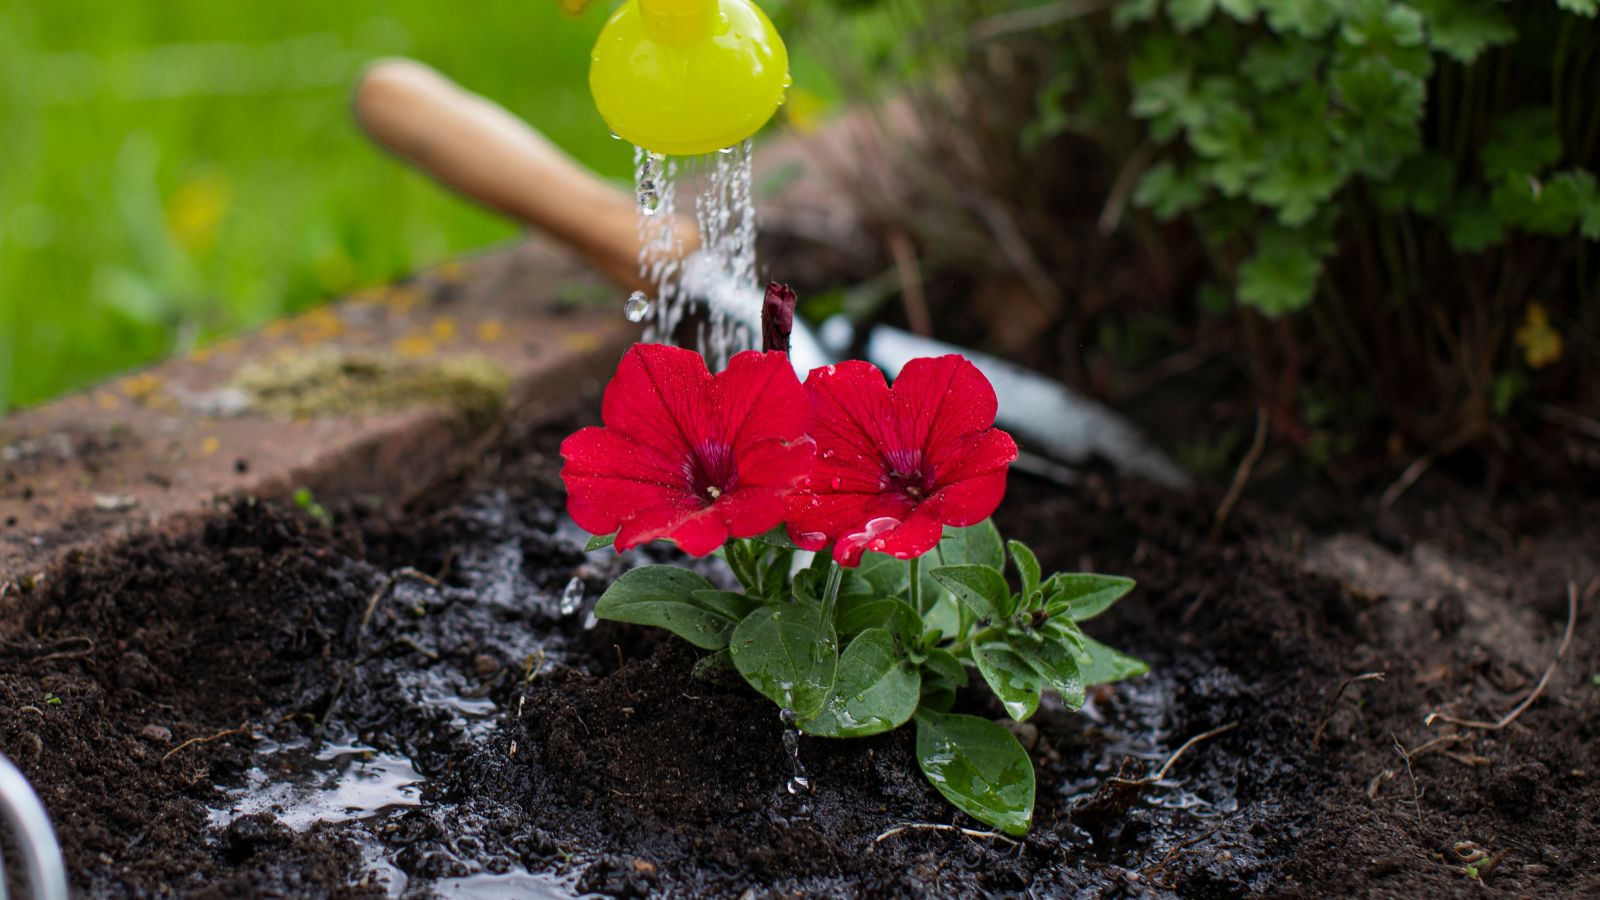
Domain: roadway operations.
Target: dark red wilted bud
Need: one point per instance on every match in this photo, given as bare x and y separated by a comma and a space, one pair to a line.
777, 317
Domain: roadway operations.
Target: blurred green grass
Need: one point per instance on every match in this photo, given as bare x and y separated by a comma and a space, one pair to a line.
175, 171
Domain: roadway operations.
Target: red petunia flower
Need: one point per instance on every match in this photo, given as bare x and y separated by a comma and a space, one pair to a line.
688, 457
894, 466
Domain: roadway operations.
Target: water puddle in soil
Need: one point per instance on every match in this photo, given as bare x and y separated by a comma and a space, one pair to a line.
301, 785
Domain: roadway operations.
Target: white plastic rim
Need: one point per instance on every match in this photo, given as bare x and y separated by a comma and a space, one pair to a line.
30, 826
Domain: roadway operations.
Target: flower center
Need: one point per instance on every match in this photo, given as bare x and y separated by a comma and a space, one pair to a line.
907, 475
712, 471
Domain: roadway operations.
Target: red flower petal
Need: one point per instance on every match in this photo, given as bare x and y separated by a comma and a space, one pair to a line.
688, 457
895, 465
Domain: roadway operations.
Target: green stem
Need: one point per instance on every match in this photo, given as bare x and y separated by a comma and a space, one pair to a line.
916, 585
831, 593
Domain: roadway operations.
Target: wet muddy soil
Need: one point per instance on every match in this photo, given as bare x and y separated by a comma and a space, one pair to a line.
416, 700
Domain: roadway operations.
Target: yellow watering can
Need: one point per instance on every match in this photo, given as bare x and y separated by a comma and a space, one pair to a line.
685, 77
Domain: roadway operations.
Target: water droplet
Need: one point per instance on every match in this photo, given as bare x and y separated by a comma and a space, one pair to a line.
572, 597
828, 453
836, 482
798, 782
833, 370
649, 202
615, 136
637, 307
813, 536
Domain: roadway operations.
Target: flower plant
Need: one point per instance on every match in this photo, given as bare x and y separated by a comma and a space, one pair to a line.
892, 488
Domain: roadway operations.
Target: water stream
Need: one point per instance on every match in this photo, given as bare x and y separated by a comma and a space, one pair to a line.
717, 281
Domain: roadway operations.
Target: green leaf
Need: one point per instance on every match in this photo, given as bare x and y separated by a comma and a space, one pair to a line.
942, 676
1382, 23
979, 767
1130, 12
733, 605
1465, 28
1099, 664
1053, 656
944, 666
1187, 15
1543, 207
665, 597
977, 545
1027, 567
1168, 191
1423, 184
1307, 18
1586, 8
1014, 680
1297, 179
980, 589
1271, 66
1382, 107
1473, 222
876, 690
1525, 142
777, 537
599, 542
713, 666
788, 654
1282, 275
859, 614
1082, 596
887, 575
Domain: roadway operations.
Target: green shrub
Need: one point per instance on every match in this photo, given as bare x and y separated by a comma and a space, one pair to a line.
1408, 187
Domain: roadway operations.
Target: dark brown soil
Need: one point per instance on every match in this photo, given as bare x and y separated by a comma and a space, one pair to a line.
604, 761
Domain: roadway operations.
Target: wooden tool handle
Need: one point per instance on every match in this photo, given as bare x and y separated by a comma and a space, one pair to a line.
477, 148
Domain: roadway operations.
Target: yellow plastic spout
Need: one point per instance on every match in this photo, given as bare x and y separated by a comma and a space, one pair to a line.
685, 77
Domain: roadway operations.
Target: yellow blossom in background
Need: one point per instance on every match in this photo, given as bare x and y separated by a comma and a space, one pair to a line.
805, 110
1540, 343
491, 330
415, 345
444, 329
195, 211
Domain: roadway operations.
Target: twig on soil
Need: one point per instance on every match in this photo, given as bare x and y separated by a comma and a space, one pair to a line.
935, 826
1583, 425
384, 590
1416, 791
1327, 711
1162, 772
1257, 445
244, 729
1544, 680
60, 654
1416, 470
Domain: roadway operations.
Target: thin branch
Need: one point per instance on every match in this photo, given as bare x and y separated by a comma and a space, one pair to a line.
1322, 727
242, 729
911, 293
935, 826
1416, 791
1122, 189
1544, 680
1034, 18
1162, 772
1257, 446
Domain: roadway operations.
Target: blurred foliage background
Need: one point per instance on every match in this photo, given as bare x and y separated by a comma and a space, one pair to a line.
173, 171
